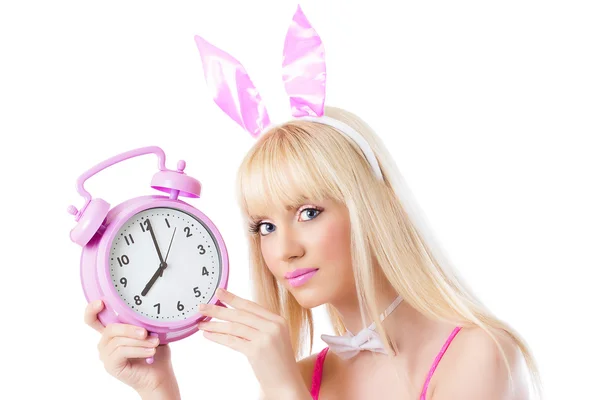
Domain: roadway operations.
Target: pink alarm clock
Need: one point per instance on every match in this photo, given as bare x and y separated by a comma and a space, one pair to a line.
151, 259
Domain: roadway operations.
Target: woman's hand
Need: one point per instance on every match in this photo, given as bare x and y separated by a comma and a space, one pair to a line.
262, 337
123, 350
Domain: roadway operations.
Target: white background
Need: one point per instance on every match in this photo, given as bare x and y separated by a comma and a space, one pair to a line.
491, 110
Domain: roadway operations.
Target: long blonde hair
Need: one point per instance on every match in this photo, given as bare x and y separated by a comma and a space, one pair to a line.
302, 159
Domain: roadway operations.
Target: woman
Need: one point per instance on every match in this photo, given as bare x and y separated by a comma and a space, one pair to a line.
331, 222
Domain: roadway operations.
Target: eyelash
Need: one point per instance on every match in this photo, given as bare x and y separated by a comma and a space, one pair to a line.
255, 226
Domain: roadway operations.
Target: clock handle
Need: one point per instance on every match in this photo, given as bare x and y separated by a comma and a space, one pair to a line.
107, 163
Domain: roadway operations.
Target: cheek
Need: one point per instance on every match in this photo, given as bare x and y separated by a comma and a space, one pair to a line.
267, 256
331, 241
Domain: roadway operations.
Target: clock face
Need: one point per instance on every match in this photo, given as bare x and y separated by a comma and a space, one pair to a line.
168, 286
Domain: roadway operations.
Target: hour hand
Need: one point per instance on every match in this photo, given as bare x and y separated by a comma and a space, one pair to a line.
152, 280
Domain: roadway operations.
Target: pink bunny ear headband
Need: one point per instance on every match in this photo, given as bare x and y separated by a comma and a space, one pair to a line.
303, 76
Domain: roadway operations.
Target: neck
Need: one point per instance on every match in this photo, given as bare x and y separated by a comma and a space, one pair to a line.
404, 324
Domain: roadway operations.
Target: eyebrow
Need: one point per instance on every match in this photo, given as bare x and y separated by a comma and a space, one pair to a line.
287, 208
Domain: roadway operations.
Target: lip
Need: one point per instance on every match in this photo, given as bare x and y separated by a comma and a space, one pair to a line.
297, 272
300, 276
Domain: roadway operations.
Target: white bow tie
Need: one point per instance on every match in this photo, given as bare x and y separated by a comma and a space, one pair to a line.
349, 345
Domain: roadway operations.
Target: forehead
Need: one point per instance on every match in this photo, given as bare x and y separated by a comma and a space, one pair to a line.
283, 172
269, 209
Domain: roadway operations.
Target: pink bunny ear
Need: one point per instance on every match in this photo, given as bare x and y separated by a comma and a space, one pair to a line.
232, 89
304, 68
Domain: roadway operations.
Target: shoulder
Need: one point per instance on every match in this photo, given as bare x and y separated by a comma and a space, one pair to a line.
306, 367
474, 354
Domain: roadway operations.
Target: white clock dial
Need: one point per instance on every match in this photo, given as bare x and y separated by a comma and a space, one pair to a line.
190, 273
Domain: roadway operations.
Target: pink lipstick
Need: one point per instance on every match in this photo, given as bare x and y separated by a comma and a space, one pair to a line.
300, 276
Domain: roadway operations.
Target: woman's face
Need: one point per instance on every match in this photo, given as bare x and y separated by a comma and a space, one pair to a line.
308, 250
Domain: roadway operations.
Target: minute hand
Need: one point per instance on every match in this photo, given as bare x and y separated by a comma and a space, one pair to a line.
160, 257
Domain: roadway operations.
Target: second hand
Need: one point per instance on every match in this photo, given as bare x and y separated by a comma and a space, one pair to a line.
169, 249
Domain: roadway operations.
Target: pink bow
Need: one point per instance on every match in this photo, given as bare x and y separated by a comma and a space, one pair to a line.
303, 77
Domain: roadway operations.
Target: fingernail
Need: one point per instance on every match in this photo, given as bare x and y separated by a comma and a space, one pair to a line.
98, 303
154, 340
141, 332
202, 306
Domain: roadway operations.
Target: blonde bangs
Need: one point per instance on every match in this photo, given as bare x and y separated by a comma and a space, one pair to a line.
287, 167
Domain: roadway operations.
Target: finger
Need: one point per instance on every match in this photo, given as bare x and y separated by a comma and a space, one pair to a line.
244, 304
129, 342
90, 317
232, 342
125, 352
229, 328
234, 315
125, 330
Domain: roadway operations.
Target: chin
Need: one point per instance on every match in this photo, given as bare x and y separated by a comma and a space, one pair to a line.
310, 297
309, 303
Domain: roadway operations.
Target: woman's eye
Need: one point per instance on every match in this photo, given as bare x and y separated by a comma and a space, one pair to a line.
311, 212
262, 232
266, 227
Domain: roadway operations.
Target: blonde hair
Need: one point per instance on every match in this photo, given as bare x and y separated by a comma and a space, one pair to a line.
301, 159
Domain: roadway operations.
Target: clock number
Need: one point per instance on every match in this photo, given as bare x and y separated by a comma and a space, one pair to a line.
137, 299
202, 251
187, 231
204, 271
157, 305
123, 260
197, 291
123, 281
128, 240
167, 221
180, 306
146, 223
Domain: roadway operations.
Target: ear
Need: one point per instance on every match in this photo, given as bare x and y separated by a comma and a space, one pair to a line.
304, 68
232, 89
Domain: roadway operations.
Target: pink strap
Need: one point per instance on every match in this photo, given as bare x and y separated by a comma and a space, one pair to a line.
318, 374
437, 361
318, 371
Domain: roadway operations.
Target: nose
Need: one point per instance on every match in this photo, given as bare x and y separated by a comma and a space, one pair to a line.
289, 244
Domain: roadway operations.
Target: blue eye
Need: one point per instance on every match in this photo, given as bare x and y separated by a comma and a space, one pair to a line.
257, 227
311, 209
265, 224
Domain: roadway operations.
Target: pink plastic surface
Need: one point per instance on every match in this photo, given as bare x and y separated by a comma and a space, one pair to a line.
97, 227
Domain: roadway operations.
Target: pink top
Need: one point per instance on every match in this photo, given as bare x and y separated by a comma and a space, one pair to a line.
318, 371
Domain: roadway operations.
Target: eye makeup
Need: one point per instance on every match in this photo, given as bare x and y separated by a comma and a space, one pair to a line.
254, 226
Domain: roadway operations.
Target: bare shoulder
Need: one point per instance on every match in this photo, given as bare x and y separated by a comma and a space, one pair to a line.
306, 367
473, 353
